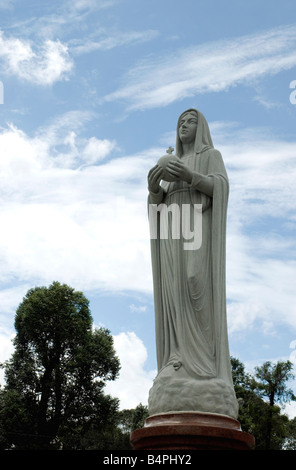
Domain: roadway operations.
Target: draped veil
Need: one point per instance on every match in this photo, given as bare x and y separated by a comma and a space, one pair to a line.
189, 294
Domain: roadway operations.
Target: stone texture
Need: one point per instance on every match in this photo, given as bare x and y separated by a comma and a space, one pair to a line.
191, 431
192, 403
189, 278
163, 162
173, 392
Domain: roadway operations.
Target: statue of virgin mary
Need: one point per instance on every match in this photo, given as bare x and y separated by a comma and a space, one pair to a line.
194, 372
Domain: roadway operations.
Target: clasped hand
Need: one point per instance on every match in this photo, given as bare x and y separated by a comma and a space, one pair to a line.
177, 169
180, 171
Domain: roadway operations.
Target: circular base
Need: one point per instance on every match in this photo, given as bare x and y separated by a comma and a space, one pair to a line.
191, 431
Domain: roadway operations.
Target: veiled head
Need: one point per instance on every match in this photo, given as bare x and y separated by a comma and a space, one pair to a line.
196, 124
187, 126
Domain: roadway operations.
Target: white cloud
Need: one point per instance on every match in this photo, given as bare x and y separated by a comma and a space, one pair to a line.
61, 20
10, 298
134, 382
261, 261
207, 68
96, 150
87, 225
57, 145
6, 349
138, 309
42, 64
78, 5
109, 41
290, 409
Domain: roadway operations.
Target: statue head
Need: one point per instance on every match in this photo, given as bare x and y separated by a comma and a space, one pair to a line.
192, 125
187, 126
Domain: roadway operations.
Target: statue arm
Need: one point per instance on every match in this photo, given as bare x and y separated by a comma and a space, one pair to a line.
155, 190
198, 181
205, 183
202, 183
156, 198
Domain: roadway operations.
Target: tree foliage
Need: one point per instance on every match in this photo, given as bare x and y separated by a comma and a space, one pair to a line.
258, 396
56, 375
273, 379
54, 393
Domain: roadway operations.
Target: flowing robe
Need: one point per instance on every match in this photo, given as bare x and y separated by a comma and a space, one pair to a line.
189, 288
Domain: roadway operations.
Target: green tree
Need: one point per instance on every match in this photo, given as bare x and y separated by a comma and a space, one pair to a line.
290, 442
251, 406
3, 440
56, 375
259, 414
128, 421
273, 379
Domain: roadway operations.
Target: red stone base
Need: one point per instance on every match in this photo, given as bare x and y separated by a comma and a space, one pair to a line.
191, 431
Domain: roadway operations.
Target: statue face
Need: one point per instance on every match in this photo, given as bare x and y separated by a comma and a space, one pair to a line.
187, 128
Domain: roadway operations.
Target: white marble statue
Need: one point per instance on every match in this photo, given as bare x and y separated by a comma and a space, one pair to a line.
194, 372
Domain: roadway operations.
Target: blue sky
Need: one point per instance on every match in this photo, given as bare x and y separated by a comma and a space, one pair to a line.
92, 92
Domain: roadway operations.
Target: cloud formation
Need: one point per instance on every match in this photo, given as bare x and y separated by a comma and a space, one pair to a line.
205, 68
42, 64
134, 382
107, 41
70, 213
261, 258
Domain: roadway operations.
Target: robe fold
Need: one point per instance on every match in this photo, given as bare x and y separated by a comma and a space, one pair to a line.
189, 284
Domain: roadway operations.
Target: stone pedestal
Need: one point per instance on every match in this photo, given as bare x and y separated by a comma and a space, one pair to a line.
191, 431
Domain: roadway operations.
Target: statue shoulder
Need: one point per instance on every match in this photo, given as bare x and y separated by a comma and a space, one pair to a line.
215, 157
214, 153
216, 162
